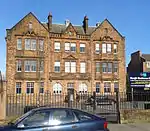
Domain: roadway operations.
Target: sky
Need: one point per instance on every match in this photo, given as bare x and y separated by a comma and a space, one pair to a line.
130, 17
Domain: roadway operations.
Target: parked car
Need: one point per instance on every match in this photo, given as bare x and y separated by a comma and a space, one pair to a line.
100, 100
57, 119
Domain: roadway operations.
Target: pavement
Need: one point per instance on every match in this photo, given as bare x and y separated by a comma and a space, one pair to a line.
129, 127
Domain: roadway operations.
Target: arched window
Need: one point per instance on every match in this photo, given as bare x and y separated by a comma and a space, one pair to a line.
83, 88
57, 88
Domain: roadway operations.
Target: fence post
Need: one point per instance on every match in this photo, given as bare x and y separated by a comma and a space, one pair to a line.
94, 101
117, 107
69, 101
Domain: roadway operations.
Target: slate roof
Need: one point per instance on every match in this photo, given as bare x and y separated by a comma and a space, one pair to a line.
146, 57
60, 28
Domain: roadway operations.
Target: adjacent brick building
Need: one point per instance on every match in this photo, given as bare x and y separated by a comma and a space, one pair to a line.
52, 57
139, 63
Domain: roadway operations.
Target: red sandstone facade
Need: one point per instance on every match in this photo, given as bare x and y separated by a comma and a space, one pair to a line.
51, 57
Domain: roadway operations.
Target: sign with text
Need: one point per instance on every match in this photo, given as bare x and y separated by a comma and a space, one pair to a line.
140, 80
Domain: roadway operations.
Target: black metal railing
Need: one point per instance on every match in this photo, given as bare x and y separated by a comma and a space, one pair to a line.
107, 105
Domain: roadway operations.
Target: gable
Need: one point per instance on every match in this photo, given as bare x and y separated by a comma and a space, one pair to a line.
106, 29
70, 57
70, 31
22, 27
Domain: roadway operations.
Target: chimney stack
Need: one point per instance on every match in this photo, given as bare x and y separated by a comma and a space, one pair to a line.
85, 24
67, 22
50, 22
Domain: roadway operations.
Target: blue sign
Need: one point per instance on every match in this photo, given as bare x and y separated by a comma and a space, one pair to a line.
140, 80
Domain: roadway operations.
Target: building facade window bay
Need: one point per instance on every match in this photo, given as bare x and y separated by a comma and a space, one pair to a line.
70, 85
97, 87
115, 67
57, 66
83, 88
97, 66
19, 44
30, 66
73, 47
116, 86
30, 87
104, 67
30, 44
41, 90
18, 87
19, 65
57, 88
41, 45
70, 67
82, 48
57, 46
107, 87
97, 48
115, 48
82, 67
109, 67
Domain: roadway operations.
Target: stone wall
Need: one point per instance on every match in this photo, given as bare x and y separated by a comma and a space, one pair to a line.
135, 116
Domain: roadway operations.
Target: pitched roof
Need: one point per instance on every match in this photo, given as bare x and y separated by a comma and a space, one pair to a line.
146, 57
60, 28
30, 13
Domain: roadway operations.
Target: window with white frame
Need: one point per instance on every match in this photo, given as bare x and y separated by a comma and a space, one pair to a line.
82, 67
82, 48
30, 87
41, 66
104, 48
57, 46
70, 85
73, 67
67, 67
19, 44
19, 65
73, 47
30, 66
104, 67
97, 87
41, 90
57, 66
108, 48
27, 44
115, 67
41, 45
115, 48
70, 67
97, 48
67, 46
116, 86
107, 87
57, 88
30, 44
97, 66
109, 67
18, 87
33, 44
83, 88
